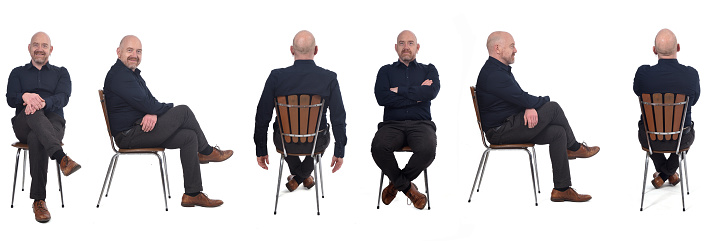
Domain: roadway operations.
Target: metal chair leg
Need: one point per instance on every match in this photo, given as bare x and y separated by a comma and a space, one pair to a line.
485, 163
161, 171
535, 161
59, 181
109, 169
480, 165
684, 160
24, 164
166, 174
321, 175
14, 179
532, 175
428, 197
112, 177
644, 180
318, 212
278, 183
682, 191
380, 188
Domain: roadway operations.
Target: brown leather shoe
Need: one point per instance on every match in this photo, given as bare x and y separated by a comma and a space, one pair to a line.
417, 198
200, 200
40, 209
388, 194
309, 182
68, 166
568, 195
291, 184
585, 151
216, 156
657, 182
674, 179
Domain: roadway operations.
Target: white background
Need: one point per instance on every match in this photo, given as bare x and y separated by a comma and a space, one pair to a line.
216, 55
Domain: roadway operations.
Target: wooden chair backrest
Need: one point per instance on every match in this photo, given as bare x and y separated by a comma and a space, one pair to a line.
475, 106
299, 117
664, 114
107, 119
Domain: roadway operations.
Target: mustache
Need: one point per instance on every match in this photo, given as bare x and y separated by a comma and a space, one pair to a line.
133, 58
40, 52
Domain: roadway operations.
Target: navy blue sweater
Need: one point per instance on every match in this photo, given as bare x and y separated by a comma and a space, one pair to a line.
52, 83
304, 77
128, 99
669, 76
500, 96
413, 101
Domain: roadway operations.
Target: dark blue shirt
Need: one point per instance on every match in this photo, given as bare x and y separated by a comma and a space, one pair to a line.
669, 76
52, 83
128, 99
413, 101
304, 77
500, 96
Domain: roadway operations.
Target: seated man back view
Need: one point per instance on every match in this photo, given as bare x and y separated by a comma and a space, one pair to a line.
138, 120
510, 115
667, 76
304, 77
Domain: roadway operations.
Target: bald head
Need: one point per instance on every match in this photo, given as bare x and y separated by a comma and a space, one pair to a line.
407, 47
304, 45
40, 48
130, 51
666, 45
501, 46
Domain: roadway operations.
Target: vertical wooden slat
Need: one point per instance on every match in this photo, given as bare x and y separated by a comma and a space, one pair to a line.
648, 115
294, 117
284, 116
677, 120
303, 116
314, 116
659, 116
669, 98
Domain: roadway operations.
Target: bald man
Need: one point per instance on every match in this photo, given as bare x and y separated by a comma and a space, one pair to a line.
38, 91
304, 77
510, 115
138, 120
667, 76
405, 90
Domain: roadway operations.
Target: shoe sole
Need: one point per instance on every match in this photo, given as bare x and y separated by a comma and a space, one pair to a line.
73, 170
194, 205
576, 157
563, 200
42, 221
205, 162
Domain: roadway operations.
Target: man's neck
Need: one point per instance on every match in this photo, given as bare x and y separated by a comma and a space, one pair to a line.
38, 66
406, 63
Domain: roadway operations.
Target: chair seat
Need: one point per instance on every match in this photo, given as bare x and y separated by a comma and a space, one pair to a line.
512, 146
299, 154
664, 152
141, 150
24, 146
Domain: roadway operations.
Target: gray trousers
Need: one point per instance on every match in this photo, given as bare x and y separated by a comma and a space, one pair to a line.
177, 128
43, 133
552, 129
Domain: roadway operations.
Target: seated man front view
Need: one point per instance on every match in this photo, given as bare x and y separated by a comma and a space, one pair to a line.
405, 89
510, 115
304, 77
138, 120
667, 76
38, 91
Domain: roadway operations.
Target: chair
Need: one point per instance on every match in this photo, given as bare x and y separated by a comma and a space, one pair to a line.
663, 117
24, 148
425, 176
299, 120
484, 159
134, 151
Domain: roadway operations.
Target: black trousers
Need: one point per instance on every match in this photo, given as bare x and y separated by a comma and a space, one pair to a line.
391, 136
553, 129
301, 169
43, 133
177, 128
666, 166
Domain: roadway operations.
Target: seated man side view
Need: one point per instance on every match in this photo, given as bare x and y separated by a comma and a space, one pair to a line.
304, 77
138, 120
510, 115
667, 76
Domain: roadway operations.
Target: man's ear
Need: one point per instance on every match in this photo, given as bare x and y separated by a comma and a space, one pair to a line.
316, 49
655, 50
291, 48
678, 47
